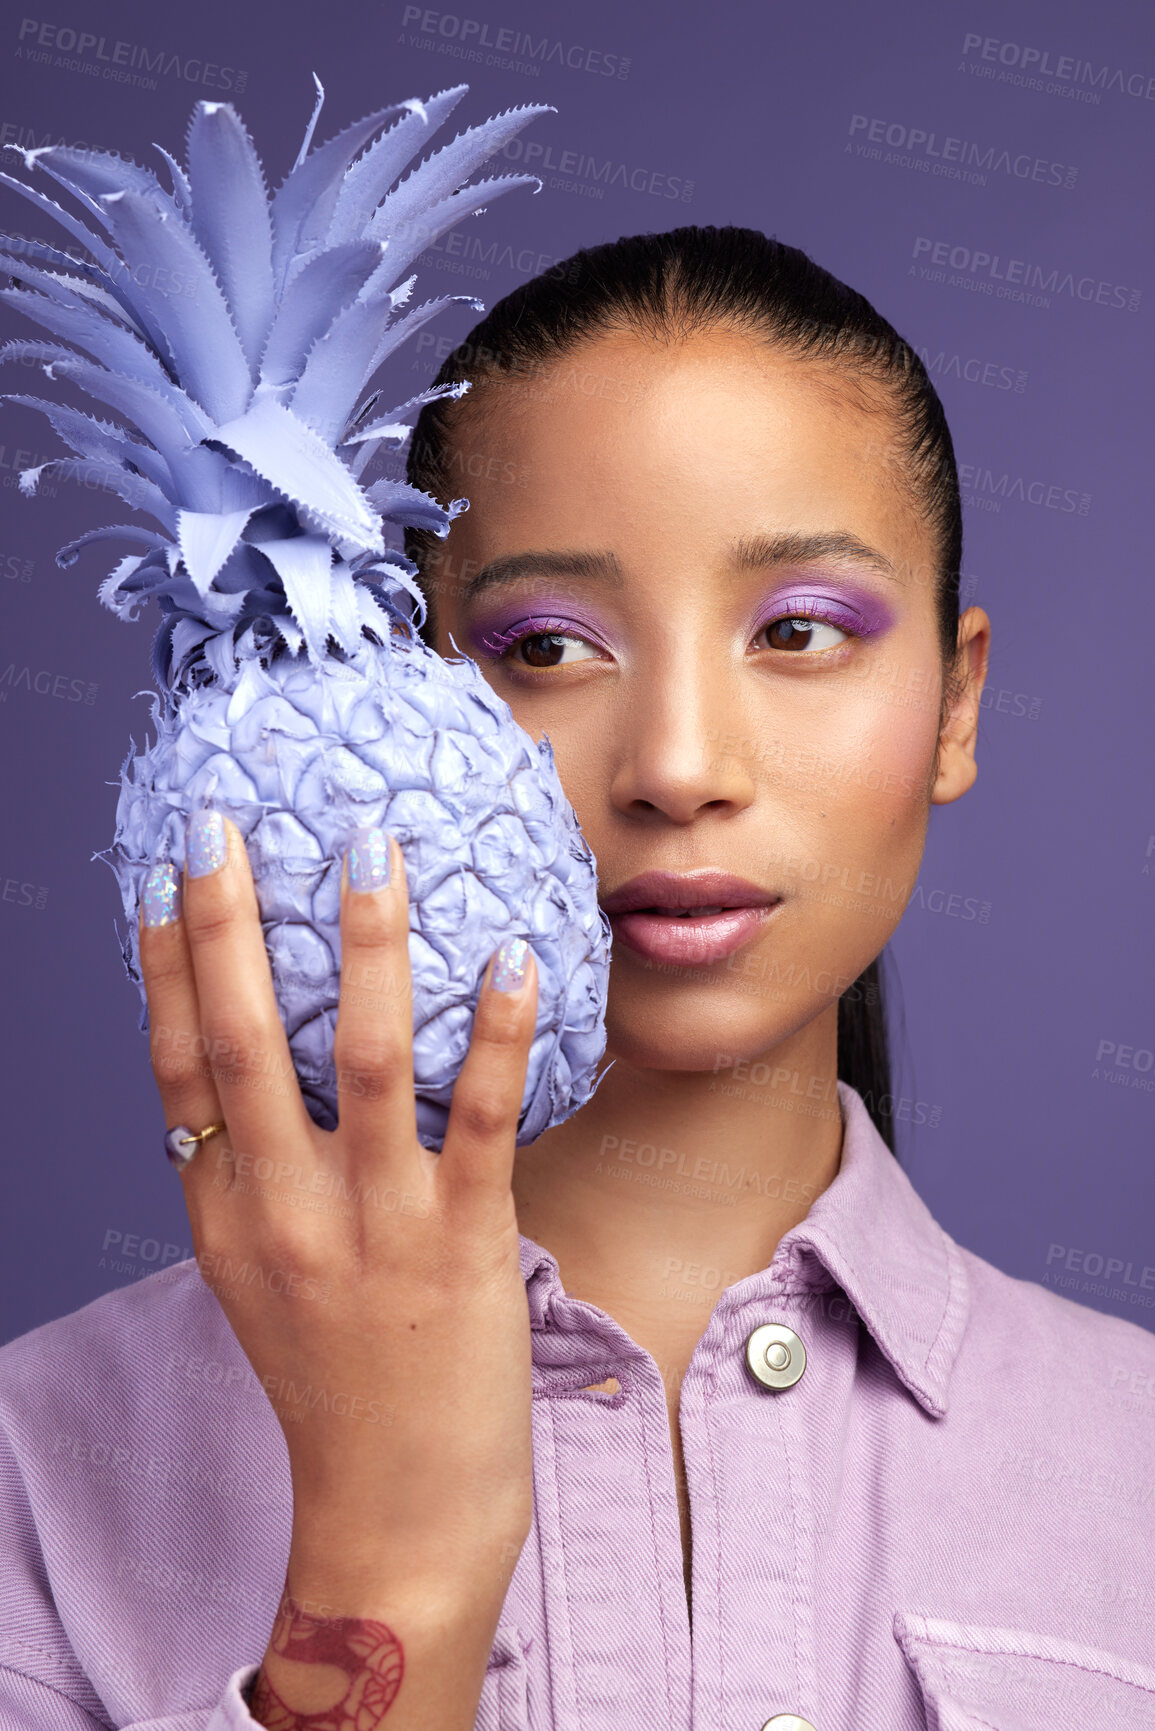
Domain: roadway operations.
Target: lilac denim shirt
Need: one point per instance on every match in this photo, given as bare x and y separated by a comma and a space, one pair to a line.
947, 1522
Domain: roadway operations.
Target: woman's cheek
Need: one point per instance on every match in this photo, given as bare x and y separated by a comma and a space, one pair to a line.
884, 793
847, 802
903, 698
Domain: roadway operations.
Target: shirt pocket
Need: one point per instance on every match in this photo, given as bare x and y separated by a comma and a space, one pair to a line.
977, 1678
504, 1704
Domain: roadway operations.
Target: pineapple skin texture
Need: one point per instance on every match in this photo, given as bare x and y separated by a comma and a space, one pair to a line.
300, 755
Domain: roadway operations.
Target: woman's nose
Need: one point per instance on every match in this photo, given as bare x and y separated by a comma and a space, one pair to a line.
674, 753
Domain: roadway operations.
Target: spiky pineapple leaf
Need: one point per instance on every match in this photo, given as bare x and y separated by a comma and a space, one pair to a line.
403, 328
302, 205
412, 238
289, 455
177, 297
391, 428
103, 441
181, 190
68, 555
304, 565
323, 287
306, 143
95, 244
376, 613
338, 365
345, 617
371, 176
230, 217
401, 502
381, 431
90, 175
109, 593
113, 345
450, 167
70, 291
207, 538
20, 246
169, 419
234, 335
135, 490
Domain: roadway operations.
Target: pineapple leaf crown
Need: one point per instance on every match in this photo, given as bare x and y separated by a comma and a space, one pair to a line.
235, 335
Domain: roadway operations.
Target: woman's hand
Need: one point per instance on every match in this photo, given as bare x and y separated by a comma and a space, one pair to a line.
388, 1323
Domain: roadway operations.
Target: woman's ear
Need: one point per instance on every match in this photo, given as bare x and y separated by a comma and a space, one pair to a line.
957, 769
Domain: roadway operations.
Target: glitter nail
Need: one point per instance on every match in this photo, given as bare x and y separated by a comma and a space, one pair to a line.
510, 965
207, 843
160, 898
368, 859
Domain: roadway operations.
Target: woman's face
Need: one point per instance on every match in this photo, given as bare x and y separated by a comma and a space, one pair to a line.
697, 569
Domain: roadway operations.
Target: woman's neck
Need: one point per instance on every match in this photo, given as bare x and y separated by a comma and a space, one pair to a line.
670, 1185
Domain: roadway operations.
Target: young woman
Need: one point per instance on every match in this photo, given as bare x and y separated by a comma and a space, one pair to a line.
690, 1414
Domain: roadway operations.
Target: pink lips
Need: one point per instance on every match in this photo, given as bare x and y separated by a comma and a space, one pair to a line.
644, 914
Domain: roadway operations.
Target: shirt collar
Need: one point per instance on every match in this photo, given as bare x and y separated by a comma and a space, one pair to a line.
871, 1234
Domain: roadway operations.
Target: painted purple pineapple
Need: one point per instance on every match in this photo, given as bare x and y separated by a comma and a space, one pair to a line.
235, 335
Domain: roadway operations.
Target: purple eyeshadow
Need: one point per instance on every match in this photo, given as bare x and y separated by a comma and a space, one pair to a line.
493, 636
842, 604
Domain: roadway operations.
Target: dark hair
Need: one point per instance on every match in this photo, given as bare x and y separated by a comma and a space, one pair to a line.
666, 286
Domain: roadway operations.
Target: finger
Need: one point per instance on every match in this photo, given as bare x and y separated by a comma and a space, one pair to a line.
177, 1048
481, 1134
373, 1044
251, 1063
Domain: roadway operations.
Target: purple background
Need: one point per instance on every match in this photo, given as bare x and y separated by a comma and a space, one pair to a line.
1024, 956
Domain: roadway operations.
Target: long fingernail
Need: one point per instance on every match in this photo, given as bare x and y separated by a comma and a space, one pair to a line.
160, 897
369, 862
509, 965
206, 845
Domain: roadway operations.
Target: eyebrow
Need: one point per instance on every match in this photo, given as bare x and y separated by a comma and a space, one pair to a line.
751, 553
755, 552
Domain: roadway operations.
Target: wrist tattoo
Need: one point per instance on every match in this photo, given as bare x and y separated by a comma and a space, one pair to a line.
368, 1652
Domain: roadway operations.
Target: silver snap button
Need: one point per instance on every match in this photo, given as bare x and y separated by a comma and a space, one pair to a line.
777, 1358
787, 1722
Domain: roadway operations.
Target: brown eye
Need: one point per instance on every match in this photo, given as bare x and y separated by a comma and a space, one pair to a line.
799, 633
790, 633
544, 649
539, 650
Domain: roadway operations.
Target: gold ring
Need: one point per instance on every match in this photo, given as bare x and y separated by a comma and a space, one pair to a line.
182, 1143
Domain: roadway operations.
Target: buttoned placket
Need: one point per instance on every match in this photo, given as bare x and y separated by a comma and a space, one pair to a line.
759, 1442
